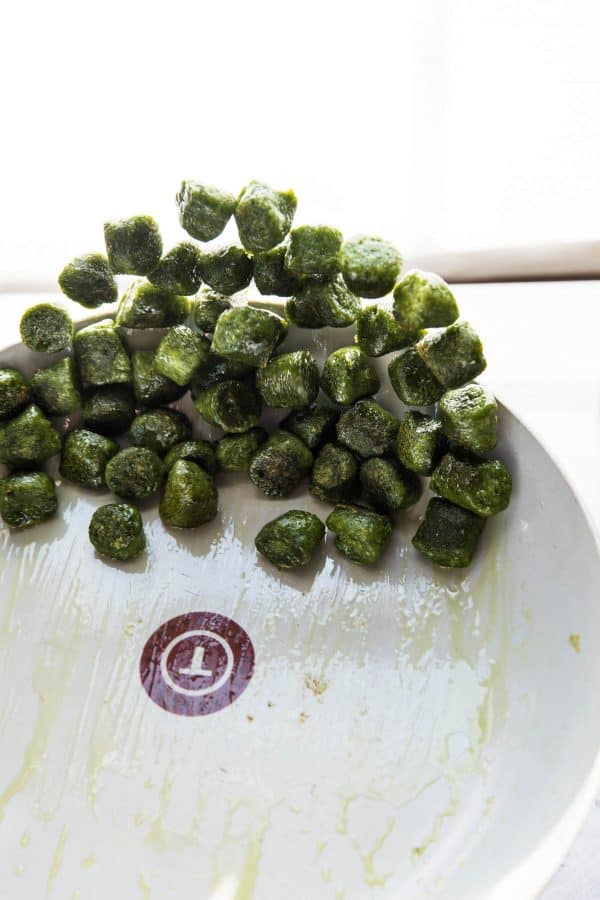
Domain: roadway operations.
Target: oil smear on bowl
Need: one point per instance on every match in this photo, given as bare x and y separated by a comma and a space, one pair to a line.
363, 740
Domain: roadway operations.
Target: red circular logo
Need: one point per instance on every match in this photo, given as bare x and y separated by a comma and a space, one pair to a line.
197, 664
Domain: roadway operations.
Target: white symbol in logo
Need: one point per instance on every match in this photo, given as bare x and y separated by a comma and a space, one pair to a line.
196, 666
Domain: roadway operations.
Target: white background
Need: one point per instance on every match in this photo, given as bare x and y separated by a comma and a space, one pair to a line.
438, 123
441, 125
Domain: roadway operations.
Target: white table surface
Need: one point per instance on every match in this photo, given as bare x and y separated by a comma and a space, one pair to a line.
543, 350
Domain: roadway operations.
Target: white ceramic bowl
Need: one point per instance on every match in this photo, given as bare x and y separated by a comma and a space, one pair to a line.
408, 732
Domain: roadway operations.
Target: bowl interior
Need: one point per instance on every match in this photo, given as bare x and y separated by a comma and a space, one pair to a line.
407, 732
